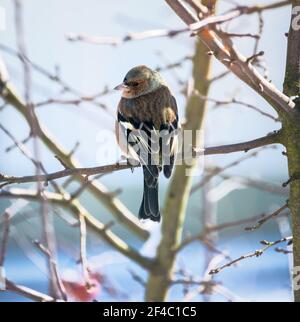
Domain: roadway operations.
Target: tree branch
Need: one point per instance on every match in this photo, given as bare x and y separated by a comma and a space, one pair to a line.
257, 184
268, 217
224, 51
179, 189
244, 146
28, 292
78, 210
83, 256
256, 253
215, 171
46, 251
157, 33
202, 235
292, 132
236, 12
222, 149
116, 207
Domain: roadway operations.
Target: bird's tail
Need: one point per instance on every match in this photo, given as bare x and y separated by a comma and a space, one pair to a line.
150, 206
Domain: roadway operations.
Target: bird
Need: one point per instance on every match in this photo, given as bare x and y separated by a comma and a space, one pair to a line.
147, 131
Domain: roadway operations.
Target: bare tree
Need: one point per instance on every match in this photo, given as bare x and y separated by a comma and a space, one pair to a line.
211, 42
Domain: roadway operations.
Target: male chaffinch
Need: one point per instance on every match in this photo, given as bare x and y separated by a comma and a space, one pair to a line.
146, 130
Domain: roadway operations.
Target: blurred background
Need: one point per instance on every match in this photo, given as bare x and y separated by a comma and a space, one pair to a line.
91, 69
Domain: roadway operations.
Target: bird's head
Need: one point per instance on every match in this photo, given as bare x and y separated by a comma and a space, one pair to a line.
140, 80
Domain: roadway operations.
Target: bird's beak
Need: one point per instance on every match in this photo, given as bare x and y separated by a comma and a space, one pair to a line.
120, 87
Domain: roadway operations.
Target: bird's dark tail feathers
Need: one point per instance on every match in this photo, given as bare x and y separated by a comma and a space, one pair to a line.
150, 206
168, 168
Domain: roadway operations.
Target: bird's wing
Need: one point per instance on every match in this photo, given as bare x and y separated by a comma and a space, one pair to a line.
170, 138
137, 140
149, 126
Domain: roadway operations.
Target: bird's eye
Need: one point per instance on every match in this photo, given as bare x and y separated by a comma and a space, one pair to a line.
131, 84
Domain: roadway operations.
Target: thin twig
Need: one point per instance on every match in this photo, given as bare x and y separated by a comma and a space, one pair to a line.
266, 218
218, 170
173, 65
237, 35
256, 253
28, 292
230, 57
236, 12
254, 183
23, 149
75, 102
23, 142
114, 41
54, 77
239, 102
83, 256
219, 76
283, 251
208, 230
48, 231
254, 56
53, 262
156, 33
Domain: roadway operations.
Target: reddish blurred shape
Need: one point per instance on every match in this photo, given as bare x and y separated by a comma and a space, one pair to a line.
84, 291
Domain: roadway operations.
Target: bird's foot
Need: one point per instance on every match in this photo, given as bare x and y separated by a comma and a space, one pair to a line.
294, 177
130, 161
